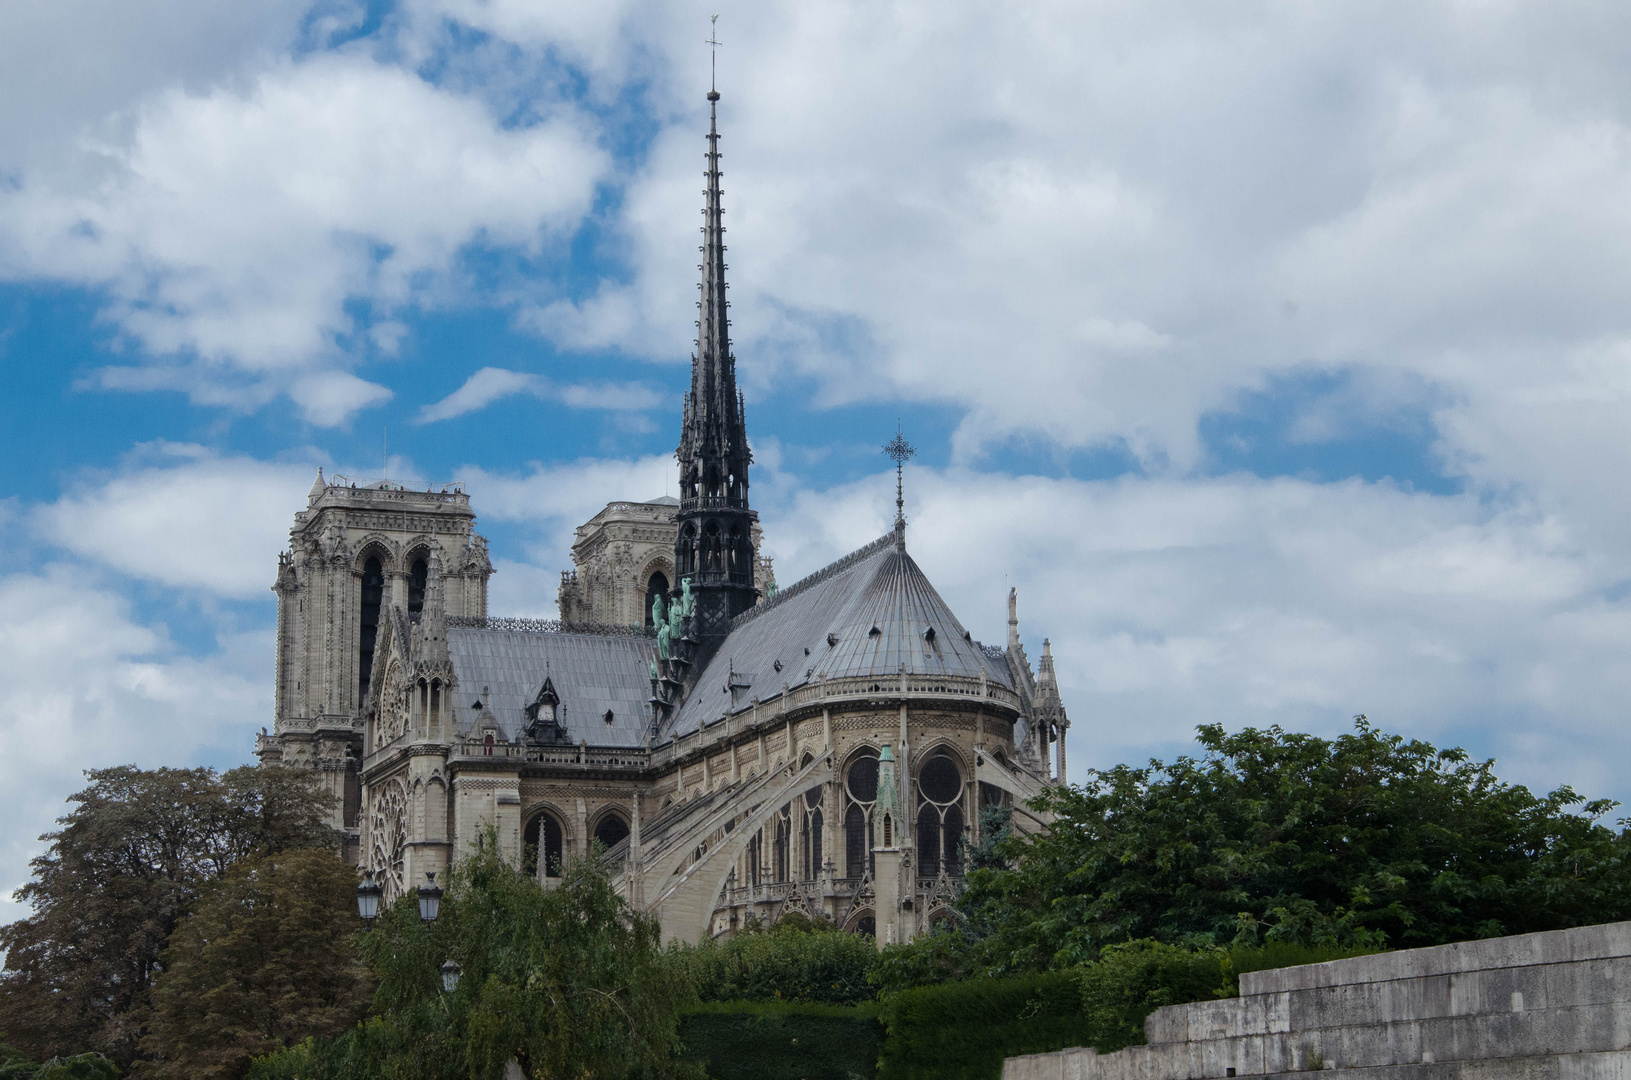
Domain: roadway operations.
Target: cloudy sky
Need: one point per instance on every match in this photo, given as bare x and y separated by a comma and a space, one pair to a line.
1279, 354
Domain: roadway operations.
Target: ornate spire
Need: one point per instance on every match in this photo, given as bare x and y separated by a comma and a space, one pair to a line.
900, 452
715, 426
714, 548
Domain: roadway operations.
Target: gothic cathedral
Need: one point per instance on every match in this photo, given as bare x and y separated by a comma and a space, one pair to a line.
733, 752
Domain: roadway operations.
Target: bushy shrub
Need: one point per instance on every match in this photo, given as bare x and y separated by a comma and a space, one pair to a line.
14, 1066
758, 1040
1130, 981
802, 962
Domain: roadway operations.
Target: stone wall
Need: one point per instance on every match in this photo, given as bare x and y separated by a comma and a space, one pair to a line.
1552, 1006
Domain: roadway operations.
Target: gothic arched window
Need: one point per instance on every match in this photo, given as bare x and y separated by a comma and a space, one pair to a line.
543, 839
373, 588
810, 832
417, 576
783, 841
860, 792
656, 585
939, 815
611, 829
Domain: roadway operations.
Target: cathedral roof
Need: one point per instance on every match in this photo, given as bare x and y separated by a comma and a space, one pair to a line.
592, 673
869, 613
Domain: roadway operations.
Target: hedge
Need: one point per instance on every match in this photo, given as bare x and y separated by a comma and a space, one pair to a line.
963, 1030
823, 967
756, 1040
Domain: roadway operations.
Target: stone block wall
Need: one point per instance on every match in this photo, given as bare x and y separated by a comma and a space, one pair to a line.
1552, 1006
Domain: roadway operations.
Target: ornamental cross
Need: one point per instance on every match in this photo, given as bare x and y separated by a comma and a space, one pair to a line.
899, 451
713, 39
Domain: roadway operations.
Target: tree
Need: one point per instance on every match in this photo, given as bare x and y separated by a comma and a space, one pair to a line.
1367, 839
568, 982
264, 961
117, 878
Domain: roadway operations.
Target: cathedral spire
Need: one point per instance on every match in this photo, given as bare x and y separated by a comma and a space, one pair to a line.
714, 548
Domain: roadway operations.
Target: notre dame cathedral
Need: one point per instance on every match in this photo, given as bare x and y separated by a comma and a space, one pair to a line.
736, 752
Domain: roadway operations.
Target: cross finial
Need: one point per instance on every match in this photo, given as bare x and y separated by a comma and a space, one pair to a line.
713, 71
899, 451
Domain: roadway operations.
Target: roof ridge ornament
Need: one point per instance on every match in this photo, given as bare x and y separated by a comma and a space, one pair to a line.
899, 451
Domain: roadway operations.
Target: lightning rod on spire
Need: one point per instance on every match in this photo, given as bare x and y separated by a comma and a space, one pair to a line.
713, 60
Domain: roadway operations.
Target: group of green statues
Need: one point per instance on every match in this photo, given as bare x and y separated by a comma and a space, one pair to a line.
667, 619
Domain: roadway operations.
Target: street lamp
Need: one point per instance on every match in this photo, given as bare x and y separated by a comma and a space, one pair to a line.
368, 894
430, 898
450, 976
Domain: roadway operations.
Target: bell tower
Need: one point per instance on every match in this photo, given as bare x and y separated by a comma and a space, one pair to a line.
714, 546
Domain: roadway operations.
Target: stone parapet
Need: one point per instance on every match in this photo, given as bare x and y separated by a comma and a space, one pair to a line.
1535, 1006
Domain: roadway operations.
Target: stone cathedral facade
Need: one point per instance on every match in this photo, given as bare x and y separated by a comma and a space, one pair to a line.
734, 751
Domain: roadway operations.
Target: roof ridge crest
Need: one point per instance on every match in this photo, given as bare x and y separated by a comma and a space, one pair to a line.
805, 584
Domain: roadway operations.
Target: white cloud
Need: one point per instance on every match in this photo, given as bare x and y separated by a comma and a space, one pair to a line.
1094, 223
232, 227
490, 384
184, 517
1241, 601
84, 685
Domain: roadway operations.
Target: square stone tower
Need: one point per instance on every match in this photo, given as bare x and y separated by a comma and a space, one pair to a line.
354, 553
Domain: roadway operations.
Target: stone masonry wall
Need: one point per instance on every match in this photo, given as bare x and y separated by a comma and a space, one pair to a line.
1552, 1006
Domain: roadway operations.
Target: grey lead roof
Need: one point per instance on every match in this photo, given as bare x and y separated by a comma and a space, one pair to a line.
879, 587
592, 673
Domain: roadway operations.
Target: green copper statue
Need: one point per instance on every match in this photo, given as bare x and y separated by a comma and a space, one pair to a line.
658, 615
663, 635
688, 603
655, 674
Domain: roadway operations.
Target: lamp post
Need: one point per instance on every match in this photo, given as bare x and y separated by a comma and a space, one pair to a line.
450, 975
430, 898
368, 894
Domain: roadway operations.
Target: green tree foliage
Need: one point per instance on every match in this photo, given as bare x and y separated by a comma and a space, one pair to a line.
118, 877
265, 960
568, 982
796, 960
1368, 839
14, 1066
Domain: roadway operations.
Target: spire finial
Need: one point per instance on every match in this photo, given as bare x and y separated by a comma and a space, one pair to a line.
713, 60
899, 451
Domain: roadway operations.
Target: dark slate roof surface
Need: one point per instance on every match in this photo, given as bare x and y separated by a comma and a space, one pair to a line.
879, 587
591, 672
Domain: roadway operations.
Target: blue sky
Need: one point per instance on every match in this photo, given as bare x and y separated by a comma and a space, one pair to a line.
1277, 354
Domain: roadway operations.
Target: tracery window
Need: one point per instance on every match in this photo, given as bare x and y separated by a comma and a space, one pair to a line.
860, 792
810, 834
939, 815
784, 835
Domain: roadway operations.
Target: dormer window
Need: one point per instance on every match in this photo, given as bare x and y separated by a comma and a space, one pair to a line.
608, 718
543, 714
874, 633
832, 639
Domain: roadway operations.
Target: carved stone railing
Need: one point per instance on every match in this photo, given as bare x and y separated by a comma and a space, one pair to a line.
546, 626
714, 502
